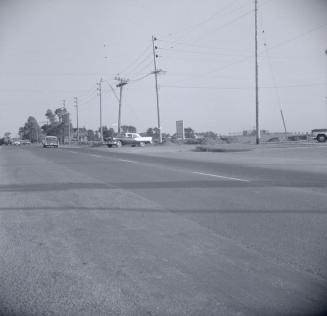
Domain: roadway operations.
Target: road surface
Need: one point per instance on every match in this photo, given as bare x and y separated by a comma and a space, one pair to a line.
103, 232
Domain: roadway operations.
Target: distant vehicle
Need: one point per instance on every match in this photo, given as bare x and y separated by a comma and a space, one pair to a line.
25, 142
320, 134
50, 141
16, 142
132, 139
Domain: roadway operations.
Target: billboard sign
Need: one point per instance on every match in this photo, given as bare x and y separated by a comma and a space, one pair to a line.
180, 129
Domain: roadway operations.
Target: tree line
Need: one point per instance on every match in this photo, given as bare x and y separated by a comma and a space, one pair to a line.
58, 124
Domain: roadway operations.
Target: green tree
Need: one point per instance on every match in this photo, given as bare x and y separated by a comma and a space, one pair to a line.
128, 129
107, 132
51, 117
90, 135
53, 126
59, 123
31, 130
189, 132
149, 132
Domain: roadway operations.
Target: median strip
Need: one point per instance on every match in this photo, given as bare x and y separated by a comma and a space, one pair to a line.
218, 176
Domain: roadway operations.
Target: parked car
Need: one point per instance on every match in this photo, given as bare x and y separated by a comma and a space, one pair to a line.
50, 141
16, 142
25, 142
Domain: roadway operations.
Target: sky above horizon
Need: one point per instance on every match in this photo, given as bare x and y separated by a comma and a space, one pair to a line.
55, 50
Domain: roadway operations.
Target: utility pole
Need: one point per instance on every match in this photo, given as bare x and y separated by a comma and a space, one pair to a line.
62, 120
283, 119
257, 125
69, 133
326, 87
155, 72
120, 85
100, 99
76, 106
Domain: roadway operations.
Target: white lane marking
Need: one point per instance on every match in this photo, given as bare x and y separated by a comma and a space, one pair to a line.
218, 176
130, 161
93, 155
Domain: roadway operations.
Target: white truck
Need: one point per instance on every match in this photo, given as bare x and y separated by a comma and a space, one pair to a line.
132, 139
319, 134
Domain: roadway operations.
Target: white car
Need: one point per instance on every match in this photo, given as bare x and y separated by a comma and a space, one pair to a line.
320, 134
132, 139
50, 141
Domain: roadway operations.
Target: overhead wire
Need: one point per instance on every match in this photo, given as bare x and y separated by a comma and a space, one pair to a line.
136, 60
141, 78
144, 68
112, 89
273, 76
140, 65
285, 42
227, 14
196, 52
209, 48
244, 88
205, 21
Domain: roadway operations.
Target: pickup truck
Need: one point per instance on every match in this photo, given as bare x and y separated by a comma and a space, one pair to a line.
132, 139
320, 134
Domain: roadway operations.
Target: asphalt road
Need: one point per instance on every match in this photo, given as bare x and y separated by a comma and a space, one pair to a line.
96, 232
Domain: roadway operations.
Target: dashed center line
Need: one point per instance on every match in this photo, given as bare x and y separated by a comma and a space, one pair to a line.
130, 161
218, 176
194, 172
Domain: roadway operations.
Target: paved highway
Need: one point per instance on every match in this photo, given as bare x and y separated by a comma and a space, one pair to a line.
103, 232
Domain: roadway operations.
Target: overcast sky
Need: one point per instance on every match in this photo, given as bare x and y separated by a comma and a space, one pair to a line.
53, 50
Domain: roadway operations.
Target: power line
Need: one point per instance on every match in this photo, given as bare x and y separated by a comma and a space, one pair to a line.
141, 78
112, 90
243, 88
296, 37
173, 50
209, 48
90, 98
87, 96
305, 33
136, 68
239, 17
274, 82
144, 68
136, 59
205, 21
